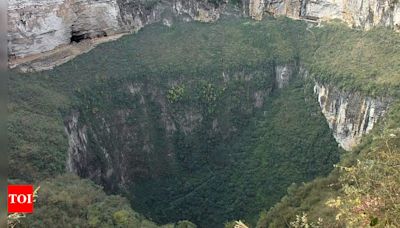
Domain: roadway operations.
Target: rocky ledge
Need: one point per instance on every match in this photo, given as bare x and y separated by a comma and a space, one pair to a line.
349, 114
359, 13
36, 27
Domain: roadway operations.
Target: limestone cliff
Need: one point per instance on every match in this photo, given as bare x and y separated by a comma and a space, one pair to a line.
38, 26
357, 13
350, 115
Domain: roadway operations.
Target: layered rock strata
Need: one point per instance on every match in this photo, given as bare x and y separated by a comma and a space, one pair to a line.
39, 26
350, 115
357, 13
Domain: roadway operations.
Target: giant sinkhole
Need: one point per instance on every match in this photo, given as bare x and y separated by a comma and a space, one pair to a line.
199, 122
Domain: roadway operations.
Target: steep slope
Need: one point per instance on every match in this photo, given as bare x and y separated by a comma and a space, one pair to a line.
219, 117
210, 93
361, 14
40, 31
40, 26
350, 115
361, 191
68, 201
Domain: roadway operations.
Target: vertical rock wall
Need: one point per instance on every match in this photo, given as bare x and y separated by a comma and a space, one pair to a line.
349, 115
256, 8
283, 73
38, 26
77, 143
359, 13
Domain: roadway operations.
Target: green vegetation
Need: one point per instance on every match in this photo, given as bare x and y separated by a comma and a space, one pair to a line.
38, 102
35, 129
306, 198
369, 192
356, 60
360, 192
223, 179
230, 156
69, 201
176, 93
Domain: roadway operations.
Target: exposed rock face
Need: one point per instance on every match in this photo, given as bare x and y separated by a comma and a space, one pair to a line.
349, 115
358, 13
256, 9
39, 26
283, 74
95, 18
77, 140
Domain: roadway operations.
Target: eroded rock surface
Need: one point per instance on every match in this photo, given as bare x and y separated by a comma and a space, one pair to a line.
43, 25
283, 73
349, 115
40, 26
357, 13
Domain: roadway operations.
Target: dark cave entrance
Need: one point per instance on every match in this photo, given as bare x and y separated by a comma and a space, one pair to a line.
75, 37
78, 37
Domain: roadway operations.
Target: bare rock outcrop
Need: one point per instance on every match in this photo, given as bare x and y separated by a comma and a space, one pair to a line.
357, 13
36, 27
349, 115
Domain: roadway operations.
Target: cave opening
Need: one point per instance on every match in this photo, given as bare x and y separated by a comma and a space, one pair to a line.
76, 37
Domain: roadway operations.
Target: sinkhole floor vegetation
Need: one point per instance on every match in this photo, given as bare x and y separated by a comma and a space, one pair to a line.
227, 156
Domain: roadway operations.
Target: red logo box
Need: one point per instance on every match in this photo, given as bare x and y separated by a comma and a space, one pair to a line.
20, 198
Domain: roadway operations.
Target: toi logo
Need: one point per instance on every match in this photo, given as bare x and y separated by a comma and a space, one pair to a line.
20, 198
